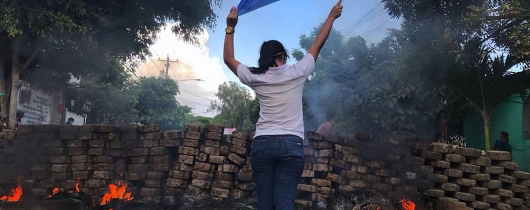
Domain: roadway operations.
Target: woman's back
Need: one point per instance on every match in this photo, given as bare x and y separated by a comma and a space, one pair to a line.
279, 91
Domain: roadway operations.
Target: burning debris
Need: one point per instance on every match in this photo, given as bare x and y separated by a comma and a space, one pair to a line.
15, 195
116, 192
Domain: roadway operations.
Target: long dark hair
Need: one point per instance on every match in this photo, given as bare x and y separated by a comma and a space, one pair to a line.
269, 52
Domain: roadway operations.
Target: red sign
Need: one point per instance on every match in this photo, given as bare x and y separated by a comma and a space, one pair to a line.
60, 109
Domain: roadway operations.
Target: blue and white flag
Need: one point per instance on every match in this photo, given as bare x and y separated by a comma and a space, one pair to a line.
246, 6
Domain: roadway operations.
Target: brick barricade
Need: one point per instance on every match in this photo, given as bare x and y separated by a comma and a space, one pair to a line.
198, 162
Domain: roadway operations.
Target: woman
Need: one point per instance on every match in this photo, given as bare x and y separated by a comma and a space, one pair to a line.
503, 143
277, 156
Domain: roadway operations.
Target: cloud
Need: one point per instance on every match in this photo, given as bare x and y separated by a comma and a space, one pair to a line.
187, 62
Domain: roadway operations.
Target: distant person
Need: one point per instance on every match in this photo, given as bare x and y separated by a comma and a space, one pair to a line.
277, 155
70, 121
503, 143
19, 116
327, 127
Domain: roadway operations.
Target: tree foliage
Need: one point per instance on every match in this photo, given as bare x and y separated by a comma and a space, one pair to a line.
112, 97
235, 107
444, 60
157, 103
55, 39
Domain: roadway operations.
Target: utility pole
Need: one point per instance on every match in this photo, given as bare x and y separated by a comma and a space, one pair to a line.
167, 64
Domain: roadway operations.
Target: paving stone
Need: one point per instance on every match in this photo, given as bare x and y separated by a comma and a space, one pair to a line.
521, 175
507, 179
498, 155
466, 167
480, 161
455, 158
479, 190
442, 148
434, 193
221, 193
492, 170
453, 172
431, 155
480, 177
440, 164
445, 203
468, 152
518, 188
491, 198
450, 187
466, 182
509, 165
504, 193
464, 196
502, 206
414, 160
438, 178
492, 184
515, 201
479, 205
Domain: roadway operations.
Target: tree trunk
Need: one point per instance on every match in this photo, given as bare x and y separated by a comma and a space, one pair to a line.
15, 86
487, 136
3, 101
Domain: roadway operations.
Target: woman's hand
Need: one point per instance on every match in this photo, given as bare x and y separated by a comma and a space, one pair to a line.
231, 20
336, 11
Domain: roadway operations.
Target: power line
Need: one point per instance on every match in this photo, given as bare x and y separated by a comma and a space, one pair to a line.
385, 23
193, 102
198, 95
361, 20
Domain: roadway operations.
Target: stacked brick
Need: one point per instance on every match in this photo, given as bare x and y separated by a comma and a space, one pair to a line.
208, 157
240, 156
97, 167
197, 163
480, 180
179, 179
153, 163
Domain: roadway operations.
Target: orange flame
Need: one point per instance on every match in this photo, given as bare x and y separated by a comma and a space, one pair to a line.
54, 191
116, 192
77, 185
407, 204
16, 193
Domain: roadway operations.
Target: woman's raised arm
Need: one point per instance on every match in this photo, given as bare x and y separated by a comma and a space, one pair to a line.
228, 52
323, 35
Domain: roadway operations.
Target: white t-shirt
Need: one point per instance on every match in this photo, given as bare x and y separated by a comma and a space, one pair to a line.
279, 91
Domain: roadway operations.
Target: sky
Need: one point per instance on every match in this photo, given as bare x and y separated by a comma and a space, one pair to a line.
285, 21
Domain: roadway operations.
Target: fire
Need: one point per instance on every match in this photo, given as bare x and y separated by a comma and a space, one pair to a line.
54, 191
407, 204
16, 193
77, 185
116, 192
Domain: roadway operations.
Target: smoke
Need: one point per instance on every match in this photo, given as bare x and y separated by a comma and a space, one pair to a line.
187, 62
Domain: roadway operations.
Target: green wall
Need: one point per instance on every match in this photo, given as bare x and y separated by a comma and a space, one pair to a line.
507, 117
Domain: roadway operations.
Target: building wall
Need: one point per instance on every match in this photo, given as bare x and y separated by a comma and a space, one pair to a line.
508, 117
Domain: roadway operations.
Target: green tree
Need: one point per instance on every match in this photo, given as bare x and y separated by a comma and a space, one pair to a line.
485, 82
234, 106
112, 96
453, 46
79, 32
366, 88
157, 103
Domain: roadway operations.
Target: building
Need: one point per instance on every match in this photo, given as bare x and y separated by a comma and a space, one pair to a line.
512, 116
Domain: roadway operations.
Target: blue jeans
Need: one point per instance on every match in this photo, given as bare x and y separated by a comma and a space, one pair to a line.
277, 166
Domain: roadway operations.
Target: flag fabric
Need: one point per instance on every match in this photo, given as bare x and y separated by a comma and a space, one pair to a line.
246, 6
